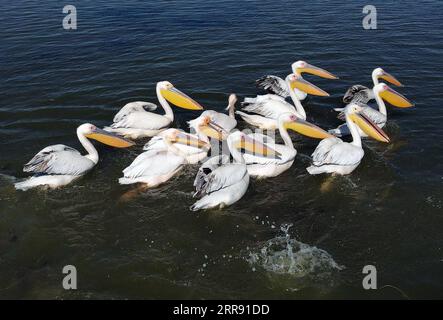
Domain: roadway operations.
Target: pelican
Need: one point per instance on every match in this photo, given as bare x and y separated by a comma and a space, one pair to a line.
332, 155
59, 165
278, 86
222, 185
382, 92
156, 166
362, 94
263, 167
204, 127
269, 107
135, 122
226, 122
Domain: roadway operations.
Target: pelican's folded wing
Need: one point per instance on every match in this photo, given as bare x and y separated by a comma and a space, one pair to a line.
59, 159
224, 176
333, 151
134, 107
153, 163
269, 106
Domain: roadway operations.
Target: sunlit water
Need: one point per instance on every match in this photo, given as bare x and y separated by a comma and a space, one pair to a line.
387, 213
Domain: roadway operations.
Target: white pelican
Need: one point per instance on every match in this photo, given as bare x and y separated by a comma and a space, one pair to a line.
362, 94
332, 155
156, 166
381, 92
269, 107
226, 122
135, 122
263, 167
204, 127
278, 86
58, 165
223, 184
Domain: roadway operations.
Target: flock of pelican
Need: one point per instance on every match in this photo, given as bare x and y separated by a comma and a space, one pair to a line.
221, 181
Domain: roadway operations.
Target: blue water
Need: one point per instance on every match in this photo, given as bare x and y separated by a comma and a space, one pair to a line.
387, 213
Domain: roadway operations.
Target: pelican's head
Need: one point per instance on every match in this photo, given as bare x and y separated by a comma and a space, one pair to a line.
356, 114
206, 126
291, 121
92, 132
379, 73
176, 97
297, 81
173, 135
301, 66
393, 97
242, 141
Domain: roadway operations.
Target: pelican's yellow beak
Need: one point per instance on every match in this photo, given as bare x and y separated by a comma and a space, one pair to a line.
189, 140
213, 130
109, 139
390, 78
257, 148
395, 98
369, 127
180, 99
307, 129
307, 87
316, 71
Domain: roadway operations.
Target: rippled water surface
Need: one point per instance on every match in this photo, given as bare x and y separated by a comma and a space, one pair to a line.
387, 213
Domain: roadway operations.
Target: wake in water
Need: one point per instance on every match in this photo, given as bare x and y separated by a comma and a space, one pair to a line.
7, 179
304, 264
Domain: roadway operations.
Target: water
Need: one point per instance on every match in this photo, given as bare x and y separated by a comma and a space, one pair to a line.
387, 213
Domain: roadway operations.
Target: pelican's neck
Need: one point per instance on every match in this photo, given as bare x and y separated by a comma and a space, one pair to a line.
356, 139
236, 154
231, 110
165, 105
89, 147
380, 103
375, 79
297, 103
285, 135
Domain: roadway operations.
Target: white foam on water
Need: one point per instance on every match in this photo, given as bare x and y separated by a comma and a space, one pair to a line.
288, 257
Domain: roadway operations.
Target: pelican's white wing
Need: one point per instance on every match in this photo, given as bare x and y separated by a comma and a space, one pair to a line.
207, 167
142, 120
154, 163
221, 119
136, 106
376, 116
273, 84
333, 151
269, 106
219, 178
59, 160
